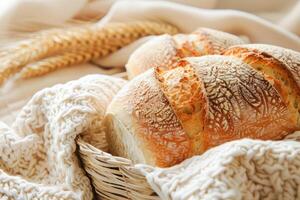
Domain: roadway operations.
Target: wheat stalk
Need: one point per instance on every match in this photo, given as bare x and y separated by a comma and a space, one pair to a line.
56, 62
66, 59
67, 42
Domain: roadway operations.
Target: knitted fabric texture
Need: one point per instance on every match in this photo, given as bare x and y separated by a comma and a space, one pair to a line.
38, 154
242, 169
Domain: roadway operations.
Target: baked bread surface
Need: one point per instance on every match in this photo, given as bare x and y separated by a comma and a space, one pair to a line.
165, 50
168, 114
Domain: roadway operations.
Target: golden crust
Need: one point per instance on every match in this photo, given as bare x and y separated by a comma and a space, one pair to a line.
290, 58
204, 41
215, 42
166, 50
242, 103
275, 71
185, 93
175, 111
154, 122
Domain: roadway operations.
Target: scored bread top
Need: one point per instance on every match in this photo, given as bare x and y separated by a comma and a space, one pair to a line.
226, 100
241, 102
199, 102
288, 57
150, 118
278, 73
165, 50
215, 42
185, 92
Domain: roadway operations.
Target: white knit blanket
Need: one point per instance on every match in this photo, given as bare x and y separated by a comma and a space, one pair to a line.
242, 169
38, 159
37, 155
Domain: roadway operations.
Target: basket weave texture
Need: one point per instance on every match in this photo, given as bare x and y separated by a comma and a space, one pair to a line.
114, 178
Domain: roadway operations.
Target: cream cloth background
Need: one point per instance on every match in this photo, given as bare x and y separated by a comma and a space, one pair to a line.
45, 129
17, 14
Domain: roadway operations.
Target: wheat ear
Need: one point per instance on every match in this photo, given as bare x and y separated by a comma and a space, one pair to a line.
93, 37
66, 59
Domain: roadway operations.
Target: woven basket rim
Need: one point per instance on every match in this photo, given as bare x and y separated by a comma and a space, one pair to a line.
113, 177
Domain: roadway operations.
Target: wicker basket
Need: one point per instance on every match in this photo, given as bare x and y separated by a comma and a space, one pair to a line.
114, 177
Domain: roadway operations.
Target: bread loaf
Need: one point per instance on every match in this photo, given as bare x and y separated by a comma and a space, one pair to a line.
165, 50
168, 114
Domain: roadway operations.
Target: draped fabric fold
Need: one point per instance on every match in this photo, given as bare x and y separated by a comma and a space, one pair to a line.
37, 138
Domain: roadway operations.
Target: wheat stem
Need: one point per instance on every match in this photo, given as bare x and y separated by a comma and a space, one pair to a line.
69, 41
50, 64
